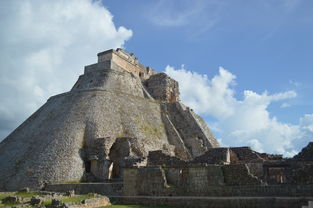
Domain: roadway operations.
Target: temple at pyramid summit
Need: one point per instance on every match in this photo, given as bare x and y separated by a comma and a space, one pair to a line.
123, 131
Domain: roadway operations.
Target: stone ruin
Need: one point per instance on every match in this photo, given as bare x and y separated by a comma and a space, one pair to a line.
123, 124
116, 113
221, 171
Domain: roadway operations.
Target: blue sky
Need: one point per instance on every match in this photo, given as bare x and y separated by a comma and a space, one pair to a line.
267, 44
245, 66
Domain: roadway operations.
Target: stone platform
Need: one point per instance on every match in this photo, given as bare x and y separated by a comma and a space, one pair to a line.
111, 189
214, 202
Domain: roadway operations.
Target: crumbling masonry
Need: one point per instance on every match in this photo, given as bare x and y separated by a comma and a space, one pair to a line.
123, 124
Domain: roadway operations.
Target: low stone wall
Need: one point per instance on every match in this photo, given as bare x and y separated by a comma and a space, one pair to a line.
216, 202
93, 202
202, 181
85, 188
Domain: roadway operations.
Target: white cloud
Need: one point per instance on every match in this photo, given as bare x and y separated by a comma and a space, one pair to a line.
246, 121
44, 46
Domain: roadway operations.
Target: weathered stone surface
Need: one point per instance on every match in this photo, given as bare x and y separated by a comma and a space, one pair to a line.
11, 200
70, 193
103, 124
55, 203
239, 174
192, 134
163, 88
24, 190
246, 154
113, 188
306, 153
35, 200
216, 202
214, 156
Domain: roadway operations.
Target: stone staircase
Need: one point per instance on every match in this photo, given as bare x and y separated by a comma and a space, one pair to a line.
310, 205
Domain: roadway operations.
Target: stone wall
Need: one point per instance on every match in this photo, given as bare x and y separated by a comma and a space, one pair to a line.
214, 156
116, 80
194, 180
299, 172
196, 139
239, 174
121, 58
111, 189
162, 87
160, 158
174, 138
203, 181
245, 154
215, 202
306, 153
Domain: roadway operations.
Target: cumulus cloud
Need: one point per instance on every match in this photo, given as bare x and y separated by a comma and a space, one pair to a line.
245, 121
44, 46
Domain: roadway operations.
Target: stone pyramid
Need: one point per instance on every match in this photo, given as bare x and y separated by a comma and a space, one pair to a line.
116, 112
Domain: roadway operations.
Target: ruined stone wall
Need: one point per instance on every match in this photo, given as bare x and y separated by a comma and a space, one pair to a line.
299, 172
204, 181
163, 88
306, 153
219, 155
245, 154
239, 174
160, 158
256, 169
196, 139
174, 138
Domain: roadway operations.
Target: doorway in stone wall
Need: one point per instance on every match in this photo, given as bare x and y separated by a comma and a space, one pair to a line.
119, 150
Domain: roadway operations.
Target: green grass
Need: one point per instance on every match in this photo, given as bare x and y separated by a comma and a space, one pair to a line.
7, 205
27, 194
3, 195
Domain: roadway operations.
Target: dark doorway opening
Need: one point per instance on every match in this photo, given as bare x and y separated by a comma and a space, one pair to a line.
88, 166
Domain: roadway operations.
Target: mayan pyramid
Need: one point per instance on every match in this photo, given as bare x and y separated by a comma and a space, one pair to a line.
117, 111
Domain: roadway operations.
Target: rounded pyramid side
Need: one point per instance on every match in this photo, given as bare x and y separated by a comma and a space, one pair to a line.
49, 146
